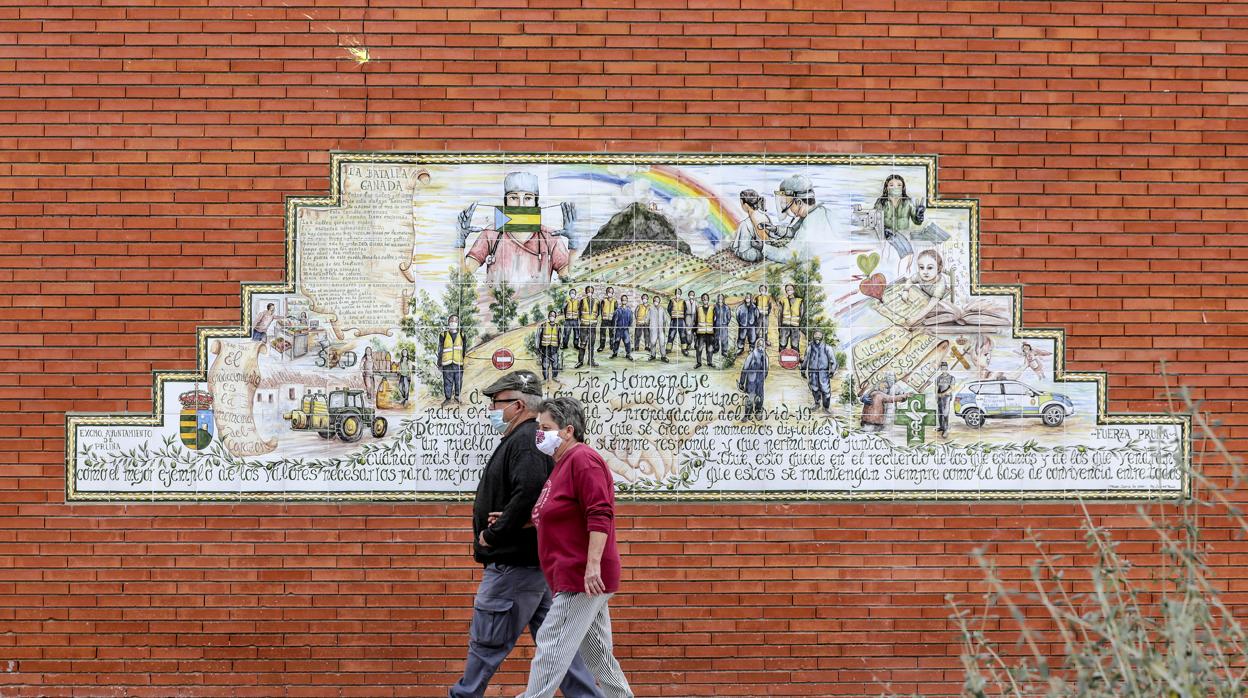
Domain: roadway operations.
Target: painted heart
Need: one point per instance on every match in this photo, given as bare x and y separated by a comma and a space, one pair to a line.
873, 286
868, 262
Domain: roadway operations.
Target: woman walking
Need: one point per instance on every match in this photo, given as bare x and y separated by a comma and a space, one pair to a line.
575, 520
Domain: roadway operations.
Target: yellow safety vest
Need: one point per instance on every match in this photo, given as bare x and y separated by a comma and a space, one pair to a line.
571, 310
706, 320
550, 334
643, 312
763, 301
608, 307
589, 310
453, 349
790, 313
678, 307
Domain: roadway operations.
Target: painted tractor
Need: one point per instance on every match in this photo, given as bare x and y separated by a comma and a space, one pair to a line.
343, 414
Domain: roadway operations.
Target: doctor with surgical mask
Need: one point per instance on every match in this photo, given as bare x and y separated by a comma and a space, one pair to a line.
804, 222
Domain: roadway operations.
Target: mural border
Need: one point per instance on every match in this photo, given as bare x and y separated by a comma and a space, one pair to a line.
74, 420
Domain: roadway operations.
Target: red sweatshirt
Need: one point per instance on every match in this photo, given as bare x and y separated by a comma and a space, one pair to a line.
578, 498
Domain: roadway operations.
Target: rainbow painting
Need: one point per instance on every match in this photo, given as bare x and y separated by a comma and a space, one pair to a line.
670, 183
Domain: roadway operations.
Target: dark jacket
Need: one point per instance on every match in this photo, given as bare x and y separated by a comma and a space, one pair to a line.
510, 484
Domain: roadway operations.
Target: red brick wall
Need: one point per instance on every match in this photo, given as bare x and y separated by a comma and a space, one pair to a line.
144, 155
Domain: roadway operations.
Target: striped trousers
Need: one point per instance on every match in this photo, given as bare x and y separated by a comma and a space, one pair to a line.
576, 622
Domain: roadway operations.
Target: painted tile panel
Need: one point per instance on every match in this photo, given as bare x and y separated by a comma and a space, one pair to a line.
747, 327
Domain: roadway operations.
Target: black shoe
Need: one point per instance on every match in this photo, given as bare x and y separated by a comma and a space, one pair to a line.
613, 354
578, 365
697, 365
664, 359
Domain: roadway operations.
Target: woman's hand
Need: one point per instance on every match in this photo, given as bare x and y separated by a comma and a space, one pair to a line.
593, 578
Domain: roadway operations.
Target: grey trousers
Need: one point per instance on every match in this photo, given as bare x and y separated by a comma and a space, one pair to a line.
509, 599
576, 622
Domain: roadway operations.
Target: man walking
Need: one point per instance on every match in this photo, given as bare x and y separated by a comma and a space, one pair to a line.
817, 368
691, 314
606, 313
753, 379
704, 332
723, 318
571, 321
622, 321
513, 594
548, 346
747, 325
587, 328
676, 318
791, 314
641, 332
764, 302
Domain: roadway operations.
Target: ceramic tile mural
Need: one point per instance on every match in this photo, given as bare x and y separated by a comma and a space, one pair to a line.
737, 326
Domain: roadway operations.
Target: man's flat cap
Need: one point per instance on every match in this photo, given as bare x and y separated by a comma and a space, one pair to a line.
523, 381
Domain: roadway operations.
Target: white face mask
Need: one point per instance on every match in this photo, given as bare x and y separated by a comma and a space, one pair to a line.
548, 442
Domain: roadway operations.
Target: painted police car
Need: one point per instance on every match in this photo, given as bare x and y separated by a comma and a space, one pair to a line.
979, 400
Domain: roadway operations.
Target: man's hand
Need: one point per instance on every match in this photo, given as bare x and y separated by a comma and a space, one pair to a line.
481, 540
493, 516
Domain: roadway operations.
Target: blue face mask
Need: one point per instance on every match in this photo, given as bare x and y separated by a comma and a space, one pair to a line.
497, 421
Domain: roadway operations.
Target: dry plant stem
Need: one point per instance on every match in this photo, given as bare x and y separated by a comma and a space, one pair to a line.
1199, 582
1108, 554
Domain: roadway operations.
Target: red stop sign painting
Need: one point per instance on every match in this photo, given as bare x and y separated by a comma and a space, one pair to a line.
503, 359
789, 358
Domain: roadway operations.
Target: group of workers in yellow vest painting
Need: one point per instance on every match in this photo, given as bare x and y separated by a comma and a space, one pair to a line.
590, 322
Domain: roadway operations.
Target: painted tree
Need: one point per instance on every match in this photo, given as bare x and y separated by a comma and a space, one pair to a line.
808, 284
558, 295
504, 306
